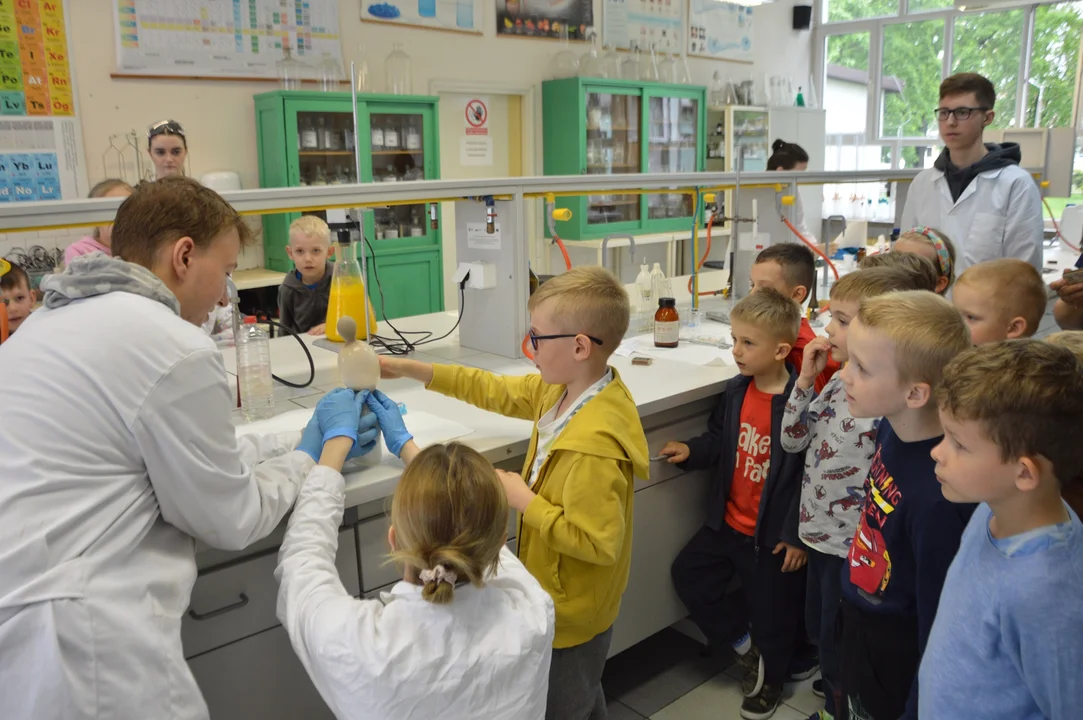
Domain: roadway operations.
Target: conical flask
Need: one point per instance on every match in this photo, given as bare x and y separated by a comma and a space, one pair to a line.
348, 297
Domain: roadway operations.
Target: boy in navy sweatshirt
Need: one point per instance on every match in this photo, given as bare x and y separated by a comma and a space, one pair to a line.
907, 533
751, 528
1007, 643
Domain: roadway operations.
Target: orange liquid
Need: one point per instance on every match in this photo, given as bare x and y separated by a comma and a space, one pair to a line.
348, 299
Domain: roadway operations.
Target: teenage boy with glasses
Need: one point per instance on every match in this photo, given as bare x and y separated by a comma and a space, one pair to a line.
976, 192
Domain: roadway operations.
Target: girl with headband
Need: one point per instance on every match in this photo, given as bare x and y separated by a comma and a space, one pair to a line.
936, 247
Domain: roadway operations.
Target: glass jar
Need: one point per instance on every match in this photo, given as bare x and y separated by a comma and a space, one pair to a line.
377, 138
592, 64
391, 138
310, 139
667, 324
629, 66
330, 73
564, 63
290, 70
399, 72
413, 138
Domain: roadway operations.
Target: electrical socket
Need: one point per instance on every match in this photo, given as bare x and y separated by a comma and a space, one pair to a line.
482, 275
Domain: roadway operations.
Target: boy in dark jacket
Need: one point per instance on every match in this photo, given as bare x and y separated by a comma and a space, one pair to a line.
752, 514
303, 295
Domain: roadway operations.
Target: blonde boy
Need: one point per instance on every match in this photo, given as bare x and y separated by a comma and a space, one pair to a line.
575, 528
1000, 299
744, 536
1071, 339
303, 295
1008, 637
920, 270
907, 532
841, 449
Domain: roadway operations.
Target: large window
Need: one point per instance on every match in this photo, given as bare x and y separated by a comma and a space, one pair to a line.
1053, 65
913, 55
991, 44
842, 10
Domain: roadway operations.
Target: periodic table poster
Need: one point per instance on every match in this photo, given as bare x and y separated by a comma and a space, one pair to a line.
35, 76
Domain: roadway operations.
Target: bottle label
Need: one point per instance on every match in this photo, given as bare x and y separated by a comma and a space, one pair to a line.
667, 332
308, 139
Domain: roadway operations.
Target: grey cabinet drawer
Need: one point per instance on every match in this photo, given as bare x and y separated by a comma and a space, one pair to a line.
235, 601
657, 436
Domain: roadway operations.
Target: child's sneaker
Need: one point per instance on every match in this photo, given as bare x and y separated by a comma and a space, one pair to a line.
763, 704
804, 668
818, 687
821, 715
743, 644
752, 664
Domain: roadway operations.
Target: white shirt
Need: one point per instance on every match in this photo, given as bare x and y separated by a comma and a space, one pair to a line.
484, 656
999, 215
118, 452
550, 426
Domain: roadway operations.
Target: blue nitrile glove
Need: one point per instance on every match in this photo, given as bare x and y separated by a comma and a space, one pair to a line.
312, 439
368, 429
387, 412
337, 413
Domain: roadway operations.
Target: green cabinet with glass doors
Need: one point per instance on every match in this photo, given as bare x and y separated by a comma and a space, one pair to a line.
306, 138
615, 127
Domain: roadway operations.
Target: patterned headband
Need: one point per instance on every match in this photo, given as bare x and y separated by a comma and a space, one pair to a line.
942, 254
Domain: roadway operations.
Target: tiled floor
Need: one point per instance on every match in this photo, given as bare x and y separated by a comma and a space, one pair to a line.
665, 678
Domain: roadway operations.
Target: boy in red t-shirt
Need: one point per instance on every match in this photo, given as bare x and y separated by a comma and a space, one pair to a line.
752, 514
790, 269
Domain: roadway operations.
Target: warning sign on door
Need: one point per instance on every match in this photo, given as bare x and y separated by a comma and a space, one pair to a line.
477, 116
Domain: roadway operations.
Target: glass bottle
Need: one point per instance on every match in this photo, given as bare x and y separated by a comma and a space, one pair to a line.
391, 137
611, 62
330, 73
667, 69
667, 324
320, 178
398, 71
332, 139
290, 70
592, 63
648, 65
347, 296
564, 63
364, 81
310, 139
377, 137
413, 138
684, 75
629, 66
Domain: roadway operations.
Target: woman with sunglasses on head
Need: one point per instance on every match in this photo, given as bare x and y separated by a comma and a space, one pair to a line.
168, 148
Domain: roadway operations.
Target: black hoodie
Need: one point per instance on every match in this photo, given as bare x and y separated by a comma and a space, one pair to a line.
959, 178
300, 307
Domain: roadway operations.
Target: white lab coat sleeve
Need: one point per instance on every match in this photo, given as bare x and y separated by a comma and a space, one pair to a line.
206, 482
1024, 227
259, 448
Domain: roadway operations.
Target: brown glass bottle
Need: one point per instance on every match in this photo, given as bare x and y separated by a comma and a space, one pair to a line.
667, 324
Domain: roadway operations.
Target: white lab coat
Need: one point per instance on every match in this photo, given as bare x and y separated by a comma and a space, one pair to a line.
483, 656
117, 453
999, 215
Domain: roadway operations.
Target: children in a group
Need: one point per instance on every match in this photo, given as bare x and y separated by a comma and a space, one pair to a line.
16, 293
468, 631
752, 522
790, 269
575, 496
934, 246
101, 239
907, 533
304, 294
840, 451
920, 270
1000, 300
1008, 638
1071, 339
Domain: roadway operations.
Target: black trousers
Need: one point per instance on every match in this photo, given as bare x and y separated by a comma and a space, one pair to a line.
821, 612
771, 600
879, 656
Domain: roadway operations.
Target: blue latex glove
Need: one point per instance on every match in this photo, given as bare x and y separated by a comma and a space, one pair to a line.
368, 429
312, 439
337, 413
390, 417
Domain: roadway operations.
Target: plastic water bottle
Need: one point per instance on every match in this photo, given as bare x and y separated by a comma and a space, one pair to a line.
254, 372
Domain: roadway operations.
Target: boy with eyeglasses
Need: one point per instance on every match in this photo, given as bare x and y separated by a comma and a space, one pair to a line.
976, 192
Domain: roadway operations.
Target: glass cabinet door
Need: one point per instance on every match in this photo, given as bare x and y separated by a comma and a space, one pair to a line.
398, 155
751, 145
326, 149
672, 145
612, 149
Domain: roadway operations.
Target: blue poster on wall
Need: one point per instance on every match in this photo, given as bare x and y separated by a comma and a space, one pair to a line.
720, 30
25, 177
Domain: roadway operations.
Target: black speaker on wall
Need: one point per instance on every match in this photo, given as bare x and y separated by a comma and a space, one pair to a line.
802, 17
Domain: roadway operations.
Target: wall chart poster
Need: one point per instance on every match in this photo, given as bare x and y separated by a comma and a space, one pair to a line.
35, 77
457, 15
41, 159
719, 30
222, 38
643, 23
544, 18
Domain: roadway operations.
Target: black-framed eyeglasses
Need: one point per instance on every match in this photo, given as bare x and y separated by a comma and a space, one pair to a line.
535, 338
165, 127
960, 113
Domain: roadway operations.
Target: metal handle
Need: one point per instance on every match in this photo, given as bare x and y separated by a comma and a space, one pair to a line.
220, 611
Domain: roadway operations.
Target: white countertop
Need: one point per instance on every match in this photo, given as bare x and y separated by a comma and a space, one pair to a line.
664, 385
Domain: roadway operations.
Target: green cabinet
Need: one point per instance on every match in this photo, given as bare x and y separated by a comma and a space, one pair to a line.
306, 138
615, 127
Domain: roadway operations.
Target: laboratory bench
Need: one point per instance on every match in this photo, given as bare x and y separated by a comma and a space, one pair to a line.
240, 655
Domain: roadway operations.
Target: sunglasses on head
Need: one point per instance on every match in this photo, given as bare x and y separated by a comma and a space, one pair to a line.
165, 127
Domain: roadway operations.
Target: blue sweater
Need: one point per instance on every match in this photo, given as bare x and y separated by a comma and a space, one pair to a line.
1008, 639
906, 537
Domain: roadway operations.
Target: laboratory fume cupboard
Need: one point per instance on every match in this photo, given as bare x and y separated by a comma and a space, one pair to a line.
616, 127
307, 138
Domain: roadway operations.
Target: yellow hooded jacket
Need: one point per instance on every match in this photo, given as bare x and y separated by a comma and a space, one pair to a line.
576, 535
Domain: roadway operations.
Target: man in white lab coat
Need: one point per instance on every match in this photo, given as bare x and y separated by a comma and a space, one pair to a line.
116, 454
976, 193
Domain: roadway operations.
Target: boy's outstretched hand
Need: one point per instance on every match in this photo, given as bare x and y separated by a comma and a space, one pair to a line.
519, 495
677, 452
795, 557
393, 368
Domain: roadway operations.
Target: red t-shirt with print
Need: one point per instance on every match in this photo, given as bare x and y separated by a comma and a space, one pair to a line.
752, 463
797, 355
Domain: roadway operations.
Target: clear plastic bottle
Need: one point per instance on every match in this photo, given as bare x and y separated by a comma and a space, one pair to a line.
254, 372
399, 72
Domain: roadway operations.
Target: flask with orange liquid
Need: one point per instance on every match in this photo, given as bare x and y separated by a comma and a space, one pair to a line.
348, 298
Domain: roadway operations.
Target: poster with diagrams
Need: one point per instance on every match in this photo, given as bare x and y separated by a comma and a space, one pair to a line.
719, 30
643, 23
222, 38
455, 15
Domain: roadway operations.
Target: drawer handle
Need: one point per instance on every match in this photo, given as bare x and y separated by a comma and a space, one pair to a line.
220, 611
